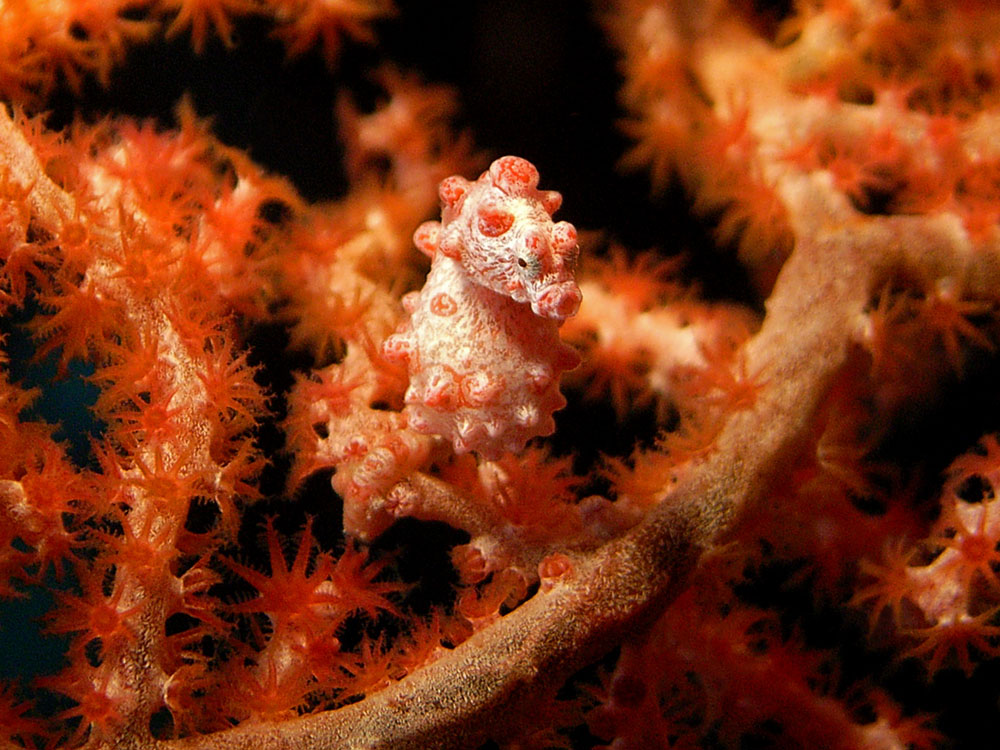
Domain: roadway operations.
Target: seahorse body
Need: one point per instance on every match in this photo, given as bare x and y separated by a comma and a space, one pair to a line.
482, 343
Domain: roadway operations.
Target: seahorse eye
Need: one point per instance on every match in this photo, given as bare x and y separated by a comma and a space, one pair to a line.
530, 265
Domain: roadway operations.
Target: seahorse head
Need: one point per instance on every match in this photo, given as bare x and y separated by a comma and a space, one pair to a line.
500, 229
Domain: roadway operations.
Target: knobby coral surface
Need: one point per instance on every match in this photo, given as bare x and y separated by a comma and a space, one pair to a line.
728, 479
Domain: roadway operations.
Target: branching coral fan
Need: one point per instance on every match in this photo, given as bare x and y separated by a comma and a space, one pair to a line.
737, 490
